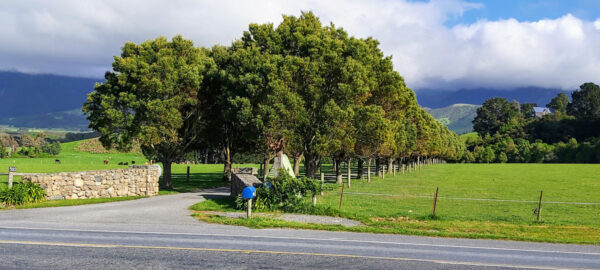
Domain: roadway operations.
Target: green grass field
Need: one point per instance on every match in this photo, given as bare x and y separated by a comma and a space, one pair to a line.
475, 200
201, 176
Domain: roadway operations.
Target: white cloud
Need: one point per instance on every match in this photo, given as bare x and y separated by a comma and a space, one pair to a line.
80, 37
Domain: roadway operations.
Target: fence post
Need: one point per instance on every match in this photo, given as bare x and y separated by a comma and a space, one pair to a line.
539, 211
341, 197
435, 201
322, 181
349, 172
369, 171
249, 210
10, 179
187, 178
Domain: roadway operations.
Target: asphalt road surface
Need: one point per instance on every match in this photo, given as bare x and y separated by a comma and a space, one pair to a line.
159, 233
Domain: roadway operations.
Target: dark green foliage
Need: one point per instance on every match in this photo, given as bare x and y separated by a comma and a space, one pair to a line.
51, 148
559, 103
526, 109
26, 192
284, 192
496, 115
586, 102
525, 139
152, 96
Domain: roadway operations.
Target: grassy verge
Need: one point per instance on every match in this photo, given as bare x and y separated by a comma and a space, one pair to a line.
58, 203
403, 204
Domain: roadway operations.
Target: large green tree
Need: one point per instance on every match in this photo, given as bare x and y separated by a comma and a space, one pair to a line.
586, 102
496, 114
154, 95
559, 103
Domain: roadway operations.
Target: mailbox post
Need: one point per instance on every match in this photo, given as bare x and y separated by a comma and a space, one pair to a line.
248, 193
11, 172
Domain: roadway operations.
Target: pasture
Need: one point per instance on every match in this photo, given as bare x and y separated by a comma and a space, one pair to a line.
475, 200
201, 176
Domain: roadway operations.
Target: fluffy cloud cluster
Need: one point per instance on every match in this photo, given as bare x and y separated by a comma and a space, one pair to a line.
79, 38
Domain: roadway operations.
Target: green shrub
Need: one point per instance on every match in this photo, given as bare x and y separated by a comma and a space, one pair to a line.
51, 148
284, 193
25, 192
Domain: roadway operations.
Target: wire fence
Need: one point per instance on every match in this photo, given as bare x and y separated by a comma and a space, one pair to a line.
461, 208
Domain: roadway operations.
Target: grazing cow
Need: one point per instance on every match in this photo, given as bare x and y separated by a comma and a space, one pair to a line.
126, 163
57, 161
120, 163
106, 162
132, 162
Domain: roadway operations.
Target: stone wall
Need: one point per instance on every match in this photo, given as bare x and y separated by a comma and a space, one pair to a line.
133, 181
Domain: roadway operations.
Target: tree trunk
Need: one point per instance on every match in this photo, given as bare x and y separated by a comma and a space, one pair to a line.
360, 168
297, 161
206, 155
227, 167
377, 166
311, 162
338, 172
266, 166
390, 168
168, 184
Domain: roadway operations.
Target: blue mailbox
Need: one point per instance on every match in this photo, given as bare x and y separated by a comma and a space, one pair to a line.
248, 192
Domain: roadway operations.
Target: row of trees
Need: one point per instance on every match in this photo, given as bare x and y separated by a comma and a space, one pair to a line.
508, 132
329, 94
27, 145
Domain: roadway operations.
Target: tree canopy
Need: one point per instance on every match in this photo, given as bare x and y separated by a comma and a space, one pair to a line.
154, 96
328, 93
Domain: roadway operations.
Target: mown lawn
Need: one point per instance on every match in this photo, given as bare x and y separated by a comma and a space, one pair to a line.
403, 204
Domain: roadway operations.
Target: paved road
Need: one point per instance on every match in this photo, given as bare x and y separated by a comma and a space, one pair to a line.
158, 233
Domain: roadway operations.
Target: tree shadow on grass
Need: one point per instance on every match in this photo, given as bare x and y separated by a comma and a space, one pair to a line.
196, 182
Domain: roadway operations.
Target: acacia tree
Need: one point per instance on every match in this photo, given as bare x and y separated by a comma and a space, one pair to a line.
153, 96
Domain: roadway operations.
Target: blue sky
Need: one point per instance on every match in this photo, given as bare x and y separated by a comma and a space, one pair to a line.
529, 10
439, 44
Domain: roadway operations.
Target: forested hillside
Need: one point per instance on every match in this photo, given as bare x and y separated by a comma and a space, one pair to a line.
457, 117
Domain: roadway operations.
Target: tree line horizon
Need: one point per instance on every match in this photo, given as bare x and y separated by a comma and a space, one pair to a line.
507, 132
329, 93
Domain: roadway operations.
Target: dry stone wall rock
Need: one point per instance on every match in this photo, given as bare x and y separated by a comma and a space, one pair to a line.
138, 180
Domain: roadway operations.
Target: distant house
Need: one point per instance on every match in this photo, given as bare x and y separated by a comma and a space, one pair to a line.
538, 112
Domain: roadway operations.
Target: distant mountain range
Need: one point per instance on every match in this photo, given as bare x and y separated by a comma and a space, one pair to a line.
43, 100
432, 98
27, 94
457, 117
